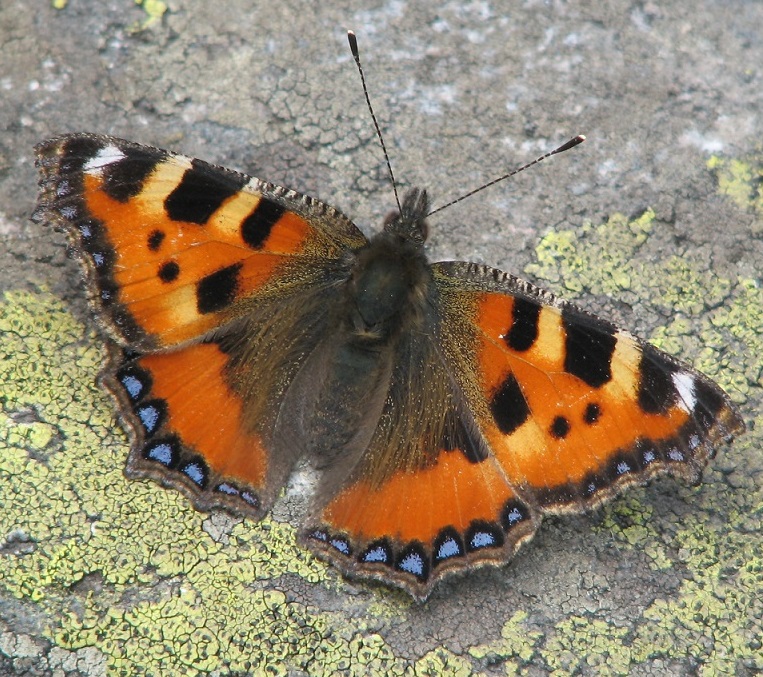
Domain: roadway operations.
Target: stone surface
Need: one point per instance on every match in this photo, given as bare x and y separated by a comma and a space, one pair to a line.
656, 221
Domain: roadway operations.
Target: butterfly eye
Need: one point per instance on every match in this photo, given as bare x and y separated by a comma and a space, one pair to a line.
390, 219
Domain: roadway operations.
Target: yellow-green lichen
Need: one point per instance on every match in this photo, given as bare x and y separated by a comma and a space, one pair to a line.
629, 520
742, 181
155, 10
716, 616
588, 644
516, 647
440, 662
598, 259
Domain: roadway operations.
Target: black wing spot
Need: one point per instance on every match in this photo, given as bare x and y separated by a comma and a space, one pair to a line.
125, 178
509, 406
560, 428
77, 151
169, 271
589, 345
201, 191
710, 402
217, 291
524, 325
656, 390
255, 229
592, 413
155, 240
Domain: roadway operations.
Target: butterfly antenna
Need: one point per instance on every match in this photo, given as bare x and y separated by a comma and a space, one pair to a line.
356, 55
565, 146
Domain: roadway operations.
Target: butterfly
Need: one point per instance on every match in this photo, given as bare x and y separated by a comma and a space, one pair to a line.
443, 408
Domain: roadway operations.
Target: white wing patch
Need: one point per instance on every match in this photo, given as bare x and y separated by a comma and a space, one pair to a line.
108, 155
684, 384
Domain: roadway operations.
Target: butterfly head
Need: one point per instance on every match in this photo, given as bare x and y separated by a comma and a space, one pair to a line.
409, 223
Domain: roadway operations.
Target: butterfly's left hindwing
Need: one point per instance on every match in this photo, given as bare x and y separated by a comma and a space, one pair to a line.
188, 428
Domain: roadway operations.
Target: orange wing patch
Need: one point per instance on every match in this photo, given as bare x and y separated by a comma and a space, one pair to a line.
179, 279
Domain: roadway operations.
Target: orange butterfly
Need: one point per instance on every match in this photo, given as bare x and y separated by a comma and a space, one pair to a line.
445, 407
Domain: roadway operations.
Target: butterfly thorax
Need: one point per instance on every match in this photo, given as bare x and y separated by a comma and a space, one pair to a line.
390, 276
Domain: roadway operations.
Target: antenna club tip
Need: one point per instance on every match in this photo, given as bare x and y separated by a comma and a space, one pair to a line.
574, 141
353, 42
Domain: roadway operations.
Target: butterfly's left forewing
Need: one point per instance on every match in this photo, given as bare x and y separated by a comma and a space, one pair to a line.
175, 247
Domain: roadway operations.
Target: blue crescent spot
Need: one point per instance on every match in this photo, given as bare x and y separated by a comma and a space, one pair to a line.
195, 472
149, 417
228, 489
482, 539
377, 554
449, 548
412, 564
676, 455
133, 385
341, 545
250, 498
162, 453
